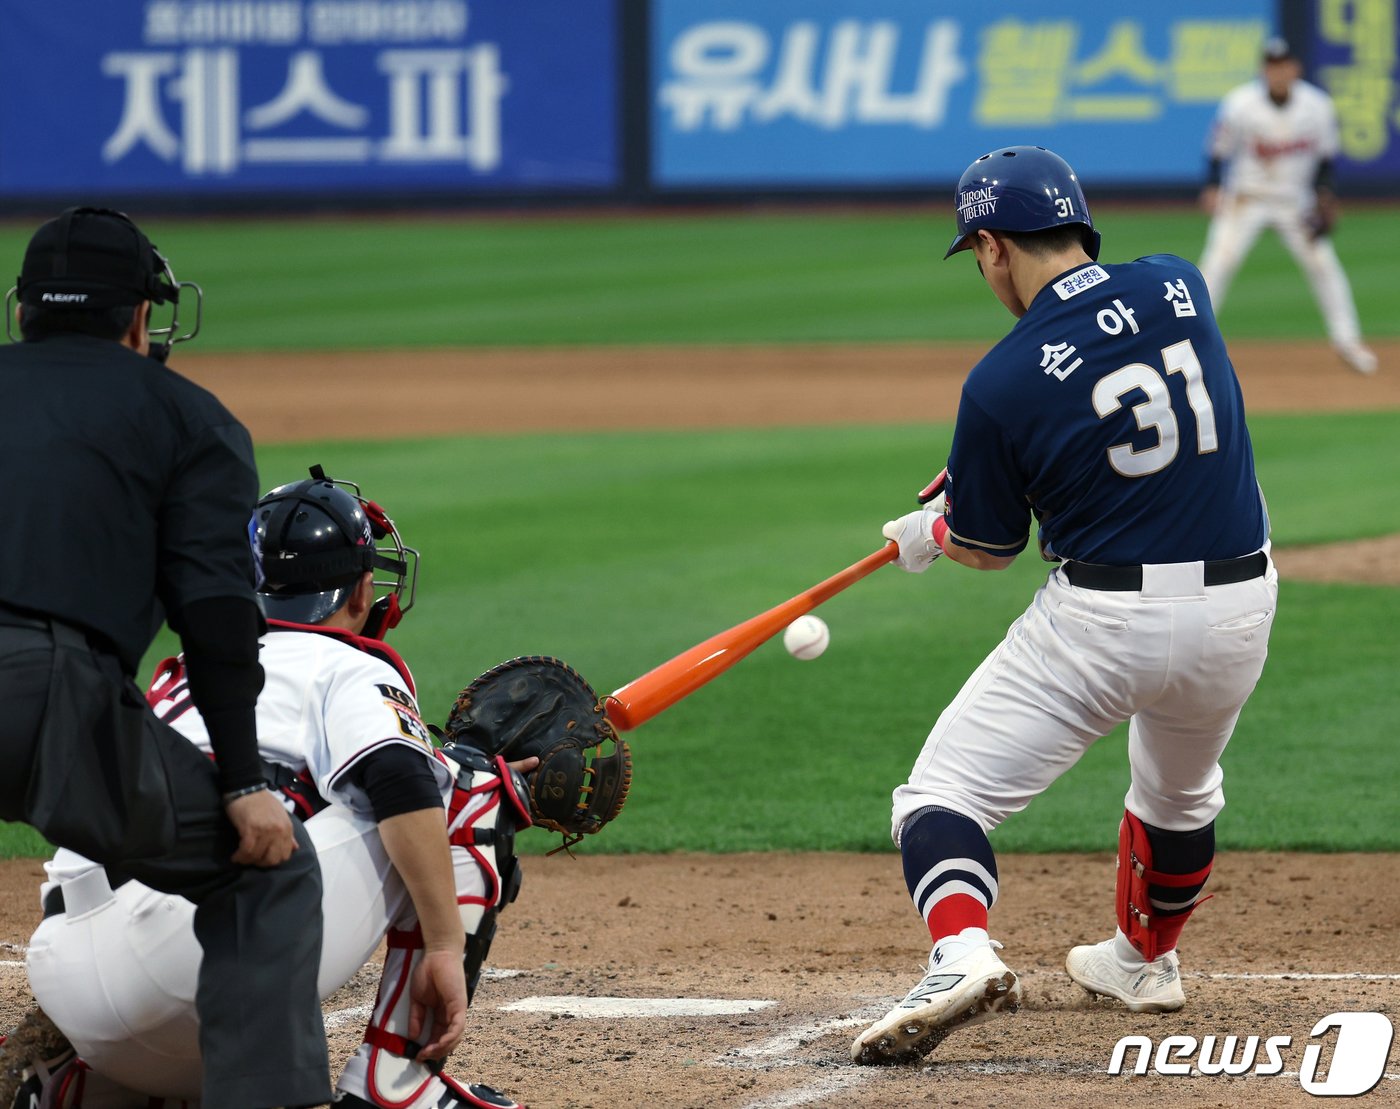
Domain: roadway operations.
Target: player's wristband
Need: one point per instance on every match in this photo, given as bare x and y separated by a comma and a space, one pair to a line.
235, 794
940, 532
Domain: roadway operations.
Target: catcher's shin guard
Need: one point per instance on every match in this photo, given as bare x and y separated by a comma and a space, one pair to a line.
488, 805
33, 1056
456, 1095
483, 815
1153, 903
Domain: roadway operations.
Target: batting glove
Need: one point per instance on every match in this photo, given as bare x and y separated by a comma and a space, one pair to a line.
919, 536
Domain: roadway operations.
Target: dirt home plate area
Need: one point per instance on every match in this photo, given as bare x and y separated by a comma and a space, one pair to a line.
740, 980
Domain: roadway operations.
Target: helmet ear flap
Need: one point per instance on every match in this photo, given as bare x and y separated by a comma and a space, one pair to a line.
384, 615
378, 519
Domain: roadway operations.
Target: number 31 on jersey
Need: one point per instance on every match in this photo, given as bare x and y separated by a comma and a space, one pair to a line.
1155, 413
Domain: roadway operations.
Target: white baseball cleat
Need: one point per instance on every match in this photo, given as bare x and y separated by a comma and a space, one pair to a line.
950, 996
1143, 987
1360, 358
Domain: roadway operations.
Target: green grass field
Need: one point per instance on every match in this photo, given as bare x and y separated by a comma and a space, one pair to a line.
762, 277
616, 551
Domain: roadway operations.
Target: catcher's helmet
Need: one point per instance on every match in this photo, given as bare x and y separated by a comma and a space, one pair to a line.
93, 258
313, 540
1020, 188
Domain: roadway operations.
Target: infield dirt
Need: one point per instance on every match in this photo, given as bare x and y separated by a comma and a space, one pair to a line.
823, 943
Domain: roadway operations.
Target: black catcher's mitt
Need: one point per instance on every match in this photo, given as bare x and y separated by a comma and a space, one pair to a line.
541, 706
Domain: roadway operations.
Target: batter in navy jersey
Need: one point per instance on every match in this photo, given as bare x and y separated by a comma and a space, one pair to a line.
1110, 418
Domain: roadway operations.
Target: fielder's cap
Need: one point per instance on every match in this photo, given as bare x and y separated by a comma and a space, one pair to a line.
92, 258
1278, 50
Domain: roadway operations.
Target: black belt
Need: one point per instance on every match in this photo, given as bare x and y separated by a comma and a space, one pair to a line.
1225, 571
14, 618
11, 617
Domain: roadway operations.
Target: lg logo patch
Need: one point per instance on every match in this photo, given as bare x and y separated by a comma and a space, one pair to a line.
1360, 1052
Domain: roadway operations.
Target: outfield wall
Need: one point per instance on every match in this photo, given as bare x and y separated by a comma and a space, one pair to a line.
219, 104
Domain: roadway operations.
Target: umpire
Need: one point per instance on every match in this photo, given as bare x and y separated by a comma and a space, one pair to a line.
128, 491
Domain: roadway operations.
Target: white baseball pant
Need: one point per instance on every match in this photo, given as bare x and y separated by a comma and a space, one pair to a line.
116, 971
1236, 225
1177, 660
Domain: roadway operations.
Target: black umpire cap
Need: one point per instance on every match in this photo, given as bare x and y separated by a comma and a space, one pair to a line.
92, 258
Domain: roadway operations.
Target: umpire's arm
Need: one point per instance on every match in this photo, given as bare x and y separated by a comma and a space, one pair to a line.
205, 582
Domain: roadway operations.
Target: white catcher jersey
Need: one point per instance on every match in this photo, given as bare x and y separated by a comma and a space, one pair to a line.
119, 974
1273, 151
326, 704
328, 700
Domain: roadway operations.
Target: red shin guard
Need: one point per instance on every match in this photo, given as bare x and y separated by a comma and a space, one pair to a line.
1148, 930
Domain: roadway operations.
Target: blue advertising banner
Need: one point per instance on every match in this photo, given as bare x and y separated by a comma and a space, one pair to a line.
903, 92
1353, 52
301, 96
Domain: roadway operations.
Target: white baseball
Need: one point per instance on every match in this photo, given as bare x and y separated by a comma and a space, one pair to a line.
806, 637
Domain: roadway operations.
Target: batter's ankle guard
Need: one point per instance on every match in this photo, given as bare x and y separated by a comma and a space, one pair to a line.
1153, 924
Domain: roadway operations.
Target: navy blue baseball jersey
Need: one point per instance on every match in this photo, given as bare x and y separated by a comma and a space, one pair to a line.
1112, 415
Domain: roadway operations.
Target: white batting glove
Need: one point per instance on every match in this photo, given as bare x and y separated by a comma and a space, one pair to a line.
913, 532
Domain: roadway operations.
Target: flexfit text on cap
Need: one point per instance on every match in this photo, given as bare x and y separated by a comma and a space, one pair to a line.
92, 258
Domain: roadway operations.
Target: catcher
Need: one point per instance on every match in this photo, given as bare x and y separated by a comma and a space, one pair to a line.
416, 842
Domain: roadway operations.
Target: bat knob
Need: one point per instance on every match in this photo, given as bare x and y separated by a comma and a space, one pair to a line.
618, 715
933, 488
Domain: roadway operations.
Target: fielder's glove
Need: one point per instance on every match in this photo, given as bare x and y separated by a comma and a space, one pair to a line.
540, 706
917, 535
1322, 219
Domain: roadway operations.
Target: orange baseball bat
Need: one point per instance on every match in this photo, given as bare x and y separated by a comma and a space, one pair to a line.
641, 699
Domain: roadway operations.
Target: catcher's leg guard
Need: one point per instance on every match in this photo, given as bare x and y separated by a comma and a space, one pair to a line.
33, 1056
1160, 877
39, 1069
473, 1096
482, 817
488, 805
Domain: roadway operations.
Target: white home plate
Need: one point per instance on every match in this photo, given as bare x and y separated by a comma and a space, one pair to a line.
637, 1006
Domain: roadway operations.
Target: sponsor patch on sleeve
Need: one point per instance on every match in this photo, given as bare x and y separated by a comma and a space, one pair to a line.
405, 710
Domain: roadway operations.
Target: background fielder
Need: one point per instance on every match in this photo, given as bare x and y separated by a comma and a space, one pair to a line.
1272, 147
341, 735
1112, 417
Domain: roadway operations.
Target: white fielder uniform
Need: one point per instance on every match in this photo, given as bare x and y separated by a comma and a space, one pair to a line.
1272, 153
117, 970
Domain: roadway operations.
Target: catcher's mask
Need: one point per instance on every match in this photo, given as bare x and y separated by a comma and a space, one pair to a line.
94, 258
314, 539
